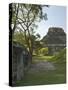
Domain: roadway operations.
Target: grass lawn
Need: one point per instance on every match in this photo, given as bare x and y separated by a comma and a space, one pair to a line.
43, 78
42, 57
57, 76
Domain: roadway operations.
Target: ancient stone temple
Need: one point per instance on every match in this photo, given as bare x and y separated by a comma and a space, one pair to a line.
20, 59
55, 40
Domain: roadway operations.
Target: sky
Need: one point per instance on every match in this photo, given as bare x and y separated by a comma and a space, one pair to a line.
56, 18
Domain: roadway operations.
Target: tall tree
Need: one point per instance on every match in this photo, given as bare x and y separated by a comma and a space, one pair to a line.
13, 14
26, 17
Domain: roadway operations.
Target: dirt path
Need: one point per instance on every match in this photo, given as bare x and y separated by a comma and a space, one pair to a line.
42, 66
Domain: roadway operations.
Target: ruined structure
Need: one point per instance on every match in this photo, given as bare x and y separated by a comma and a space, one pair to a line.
20, 59
55, 40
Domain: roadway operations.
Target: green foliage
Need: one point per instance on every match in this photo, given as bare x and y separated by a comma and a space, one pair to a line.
19, 37
37, 47
41, 58
60, 57
25, 18
44, 51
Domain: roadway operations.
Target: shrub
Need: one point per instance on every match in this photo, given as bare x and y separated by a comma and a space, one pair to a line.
44, 51
60, 57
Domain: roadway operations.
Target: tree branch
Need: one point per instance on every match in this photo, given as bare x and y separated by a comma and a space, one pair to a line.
19, 28
21, 25
16, 18
22, 21
32, 20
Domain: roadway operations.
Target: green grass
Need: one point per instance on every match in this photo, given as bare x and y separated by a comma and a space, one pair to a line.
42, 57
42, 78
57, 76
60, 57
36, 59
